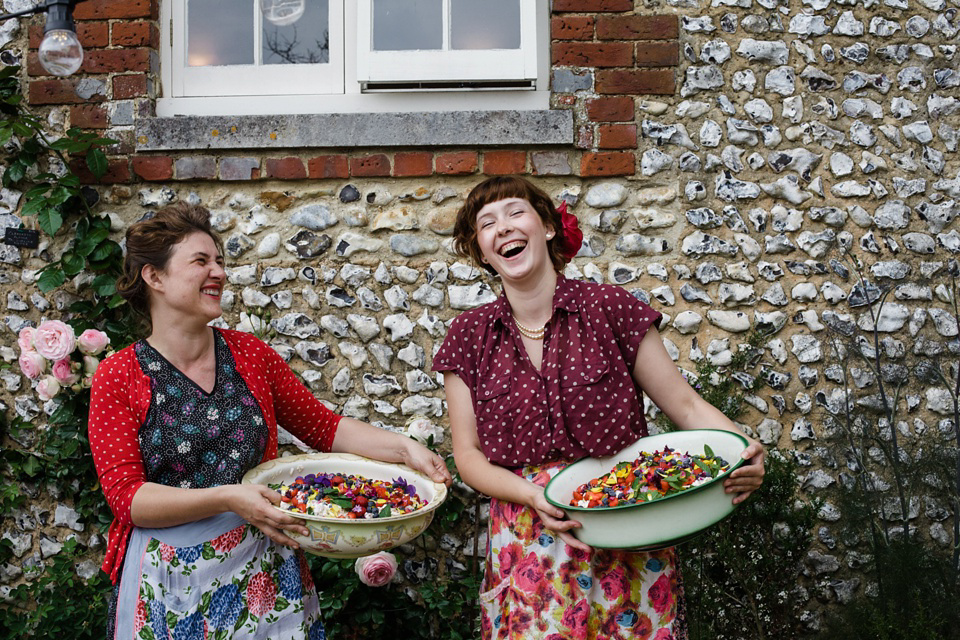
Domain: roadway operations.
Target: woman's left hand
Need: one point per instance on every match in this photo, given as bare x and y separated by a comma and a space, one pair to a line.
418, 457
749, 477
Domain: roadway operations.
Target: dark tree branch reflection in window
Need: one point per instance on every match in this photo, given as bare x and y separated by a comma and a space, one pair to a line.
307, 41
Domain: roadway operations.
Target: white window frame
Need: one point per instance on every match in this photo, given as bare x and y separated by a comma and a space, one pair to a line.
446, 64
245, 80
348, 96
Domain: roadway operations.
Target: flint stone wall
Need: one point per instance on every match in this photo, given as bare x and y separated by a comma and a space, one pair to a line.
783, 138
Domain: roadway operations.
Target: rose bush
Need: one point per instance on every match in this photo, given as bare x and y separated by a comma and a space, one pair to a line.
72, 360
376, 570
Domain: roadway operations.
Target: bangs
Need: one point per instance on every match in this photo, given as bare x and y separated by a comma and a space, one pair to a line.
502, 188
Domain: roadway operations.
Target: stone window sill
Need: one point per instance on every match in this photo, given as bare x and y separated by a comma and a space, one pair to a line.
425, 129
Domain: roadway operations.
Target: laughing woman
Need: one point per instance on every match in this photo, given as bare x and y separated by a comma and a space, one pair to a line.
176, 420
552, 371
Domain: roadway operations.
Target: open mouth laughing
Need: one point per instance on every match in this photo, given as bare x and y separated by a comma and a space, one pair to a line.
513, 249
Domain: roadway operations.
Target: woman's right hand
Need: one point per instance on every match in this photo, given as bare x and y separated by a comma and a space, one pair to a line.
555, 519
254, 503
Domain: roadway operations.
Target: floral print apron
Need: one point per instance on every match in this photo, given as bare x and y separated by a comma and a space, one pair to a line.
536, 587
216, 578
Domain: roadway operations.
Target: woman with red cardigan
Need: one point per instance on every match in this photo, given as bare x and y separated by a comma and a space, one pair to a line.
176, 419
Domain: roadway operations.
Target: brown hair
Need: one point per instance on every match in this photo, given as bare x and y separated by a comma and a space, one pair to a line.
150, 242
501, 188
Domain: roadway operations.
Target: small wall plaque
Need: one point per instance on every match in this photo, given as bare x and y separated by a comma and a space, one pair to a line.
23, 238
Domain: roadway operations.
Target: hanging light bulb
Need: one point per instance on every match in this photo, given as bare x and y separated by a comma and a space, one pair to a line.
60, 52
282, 12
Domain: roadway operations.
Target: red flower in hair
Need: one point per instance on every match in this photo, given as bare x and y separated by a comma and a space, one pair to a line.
572, 236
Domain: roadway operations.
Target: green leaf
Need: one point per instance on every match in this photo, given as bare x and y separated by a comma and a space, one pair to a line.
31, 466
72, 263
50, 221
50, 279
385, 512
87, 243
207, 553
281, 604
707, 451
21, 129
243, 618
34, 205
70, 180
343, 503
97, 162
61, 144
14, 173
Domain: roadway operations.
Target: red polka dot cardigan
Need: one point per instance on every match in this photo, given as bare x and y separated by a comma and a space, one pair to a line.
119, 401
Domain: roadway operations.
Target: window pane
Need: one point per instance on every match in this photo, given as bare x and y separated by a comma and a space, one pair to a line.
491, 24
305, 41
219, 32
404, 25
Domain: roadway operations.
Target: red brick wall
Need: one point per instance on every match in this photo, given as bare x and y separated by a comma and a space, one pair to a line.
624, 50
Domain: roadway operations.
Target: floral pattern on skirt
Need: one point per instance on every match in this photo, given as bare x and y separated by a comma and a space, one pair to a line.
536, 587
237, 585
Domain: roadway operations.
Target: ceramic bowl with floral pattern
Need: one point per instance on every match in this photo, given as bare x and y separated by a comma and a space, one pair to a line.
344, 538
660, 523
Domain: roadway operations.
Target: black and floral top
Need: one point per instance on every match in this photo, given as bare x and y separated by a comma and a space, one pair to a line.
193, 439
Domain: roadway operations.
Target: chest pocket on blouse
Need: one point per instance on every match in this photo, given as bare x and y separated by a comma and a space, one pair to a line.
494, 400
584, 373
586, 392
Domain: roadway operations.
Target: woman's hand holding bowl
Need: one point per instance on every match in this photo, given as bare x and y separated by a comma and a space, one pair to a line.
749, 477
555, 519
255, 504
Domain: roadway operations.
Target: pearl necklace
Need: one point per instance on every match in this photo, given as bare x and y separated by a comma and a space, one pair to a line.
533, 334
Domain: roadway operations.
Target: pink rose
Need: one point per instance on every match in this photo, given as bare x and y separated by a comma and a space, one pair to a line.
48, 388
92, 342
54, 340
32, 364
376, 570
64, 373
25, 339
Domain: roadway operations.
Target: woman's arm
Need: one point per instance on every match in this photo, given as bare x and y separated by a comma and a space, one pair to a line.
354, 436
660, 378
156, 505
491, 479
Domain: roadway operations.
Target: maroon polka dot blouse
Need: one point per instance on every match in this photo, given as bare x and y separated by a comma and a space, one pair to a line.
582, 402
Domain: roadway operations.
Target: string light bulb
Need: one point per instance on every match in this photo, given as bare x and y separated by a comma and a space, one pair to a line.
60, 52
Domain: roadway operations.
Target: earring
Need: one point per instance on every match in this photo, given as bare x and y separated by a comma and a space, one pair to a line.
549, 235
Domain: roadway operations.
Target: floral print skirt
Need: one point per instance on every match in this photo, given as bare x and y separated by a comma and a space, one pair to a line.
217, 578
536, 587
